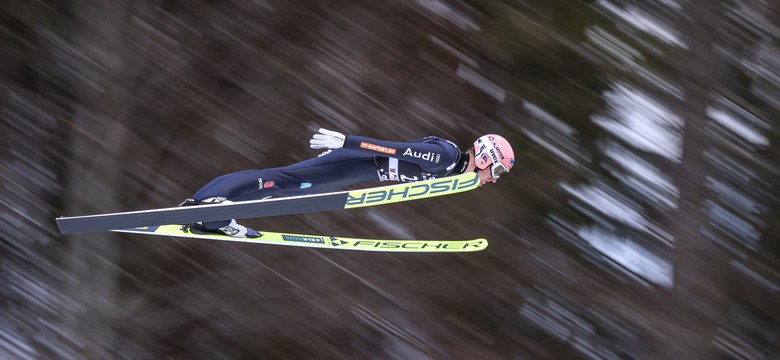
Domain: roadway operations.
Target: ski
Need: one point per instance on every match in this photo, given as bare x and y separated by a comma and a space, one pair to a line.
321, 241
271, 207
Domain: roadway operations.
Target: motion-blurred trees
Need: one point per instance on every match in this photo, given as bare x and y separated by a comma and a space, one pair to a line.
603, 243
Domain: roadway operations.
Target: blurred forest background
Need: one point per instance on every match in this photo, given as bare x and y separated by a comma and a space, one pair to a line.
640, 221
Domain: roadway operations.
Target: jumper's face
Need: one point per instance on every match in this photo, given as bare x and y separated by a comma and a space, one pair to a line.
485, 176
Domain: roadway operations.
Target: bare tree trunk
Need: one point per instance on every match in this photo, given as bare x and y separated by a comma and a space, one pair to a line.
94, 178
700, 264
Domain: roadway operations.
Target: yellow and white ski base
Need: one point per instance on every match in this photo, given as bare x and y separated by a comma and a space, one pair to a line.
321, 241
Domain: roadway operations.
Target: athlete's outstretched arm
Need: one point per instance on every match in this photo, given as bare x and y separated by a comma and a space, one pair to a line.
427, 154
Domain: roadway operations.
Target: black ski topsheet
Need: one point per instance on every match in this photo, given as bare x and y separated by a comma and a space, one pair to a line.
270, 207
193, 214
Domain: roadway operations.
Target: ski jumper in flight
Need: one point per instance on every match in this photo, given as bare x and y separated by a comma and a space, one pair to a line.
350, 160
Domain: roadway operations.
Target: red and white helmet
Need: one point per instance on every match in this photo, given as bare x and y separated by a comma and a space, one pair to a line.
493, 150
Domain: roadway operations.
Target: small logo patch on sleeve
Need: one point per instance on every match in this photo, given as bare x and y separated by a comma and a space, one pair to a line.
377, 148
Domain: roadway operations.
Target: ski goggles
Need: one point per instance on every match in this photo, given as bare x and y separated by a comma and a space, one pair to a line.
497, 168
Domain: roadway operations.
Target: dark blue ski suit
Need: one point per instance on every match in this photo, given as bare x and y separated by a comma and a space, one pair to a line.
361, 159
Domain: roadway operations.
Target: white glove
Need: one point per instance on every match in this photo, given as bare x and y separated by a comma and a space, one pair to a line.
327, 139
